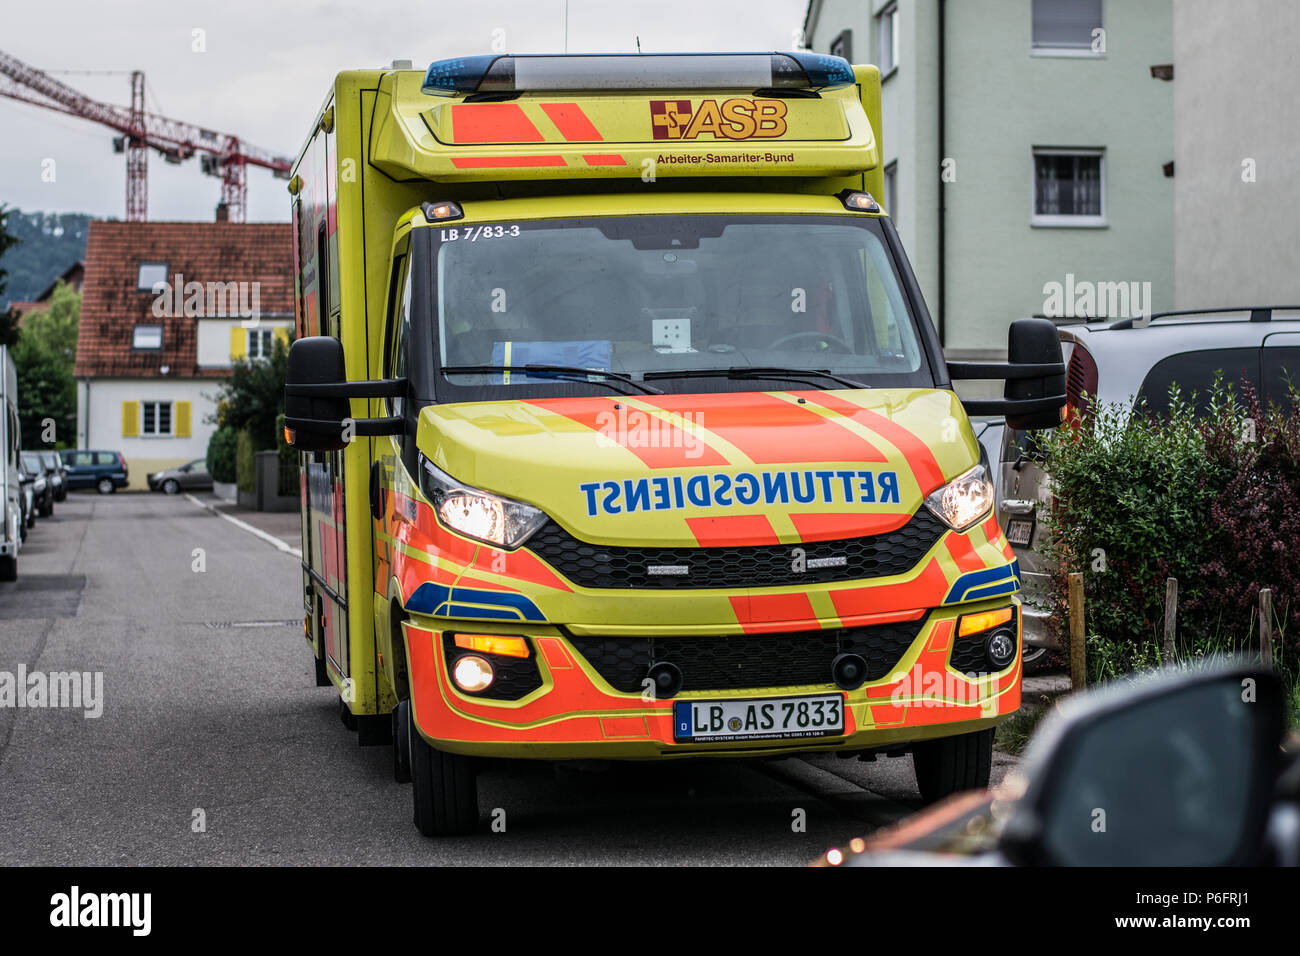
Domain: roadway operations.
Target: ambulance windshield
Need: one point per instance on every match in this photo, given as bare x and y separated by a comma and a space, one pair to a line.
666, 294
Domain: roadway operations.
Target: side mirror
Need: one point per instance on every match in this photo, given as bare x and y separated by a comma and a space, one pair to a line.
1174, 770
1034, 394
1035, 342
315, 422
317, 413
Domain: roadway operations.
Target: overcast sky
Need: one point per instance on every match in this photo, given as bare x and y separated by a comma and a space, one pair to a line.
268, 64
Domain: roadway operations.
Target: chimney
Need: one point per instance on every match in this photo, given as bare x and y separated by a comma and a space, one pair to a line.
223, 212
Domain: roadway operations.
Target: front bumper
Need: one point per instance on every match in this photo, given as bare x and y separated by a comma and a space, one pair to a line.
576, 713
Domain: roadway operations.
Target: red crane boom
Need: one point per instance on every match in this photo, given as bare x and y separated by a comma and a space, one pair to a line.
222, 154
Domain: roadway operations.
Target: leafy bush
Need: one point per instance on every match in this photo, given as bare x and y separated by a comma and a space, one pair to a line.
223, 450
1209, 500
245, 463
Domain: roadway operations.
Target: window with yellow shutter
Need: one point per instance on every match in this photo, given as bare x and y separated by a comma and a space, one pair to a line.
130, 419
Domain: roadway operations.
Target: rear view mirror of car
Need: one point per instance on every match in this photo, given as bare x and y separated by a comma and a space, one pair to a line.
317, 413
1171, 771
1034, 394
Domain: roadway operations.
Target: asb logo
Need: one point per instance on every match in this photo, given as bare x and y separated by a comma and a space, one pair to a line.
736, 118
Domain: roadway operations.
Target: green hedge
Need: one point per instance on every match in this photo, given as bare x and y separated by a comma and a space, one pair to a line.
223, 448
246, 464
1206, 498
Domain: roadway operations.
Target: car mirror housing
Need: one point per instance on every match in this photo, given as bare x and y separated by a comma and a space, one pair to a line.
317, 411
1176, 769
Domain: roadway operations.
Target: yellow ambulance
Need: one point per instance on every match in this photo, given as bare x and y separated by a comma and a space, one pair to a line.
626, 433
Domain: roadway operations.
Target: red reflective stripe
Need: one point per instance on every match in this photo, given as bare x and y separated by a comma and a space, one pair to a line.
732, 531
657, 442
774, 612
504, 162
963, 552
604, 159
572, 122
919, 457
492, 123
823, 527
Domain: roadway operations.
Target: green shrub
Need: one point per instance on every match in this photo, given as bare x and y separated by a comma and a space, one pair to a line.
246, 463
223, 448
1207, 499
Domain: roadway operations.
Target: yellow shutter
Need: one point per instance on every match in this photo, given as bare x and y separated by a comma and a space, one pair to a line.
282, 334
130, 419
238, 342
181, 420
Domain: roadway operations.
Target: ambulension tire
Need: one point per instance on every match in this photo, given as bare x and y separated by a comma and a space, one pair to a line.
9, 567
444, 792
322, 675
402, 742
953, 764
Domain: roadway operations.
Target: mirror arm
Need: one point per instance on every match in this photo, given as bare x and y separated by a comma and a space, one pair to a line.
1013, 406
1007, 370
377, 388
370, 427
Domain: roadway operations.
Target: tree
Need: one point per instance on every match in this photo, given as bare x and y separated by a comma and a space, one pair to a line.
44, 354
253, 397
8, 318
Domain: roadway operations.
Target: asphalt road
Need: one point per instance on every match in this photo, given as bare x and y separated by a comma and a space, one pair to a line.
209, 705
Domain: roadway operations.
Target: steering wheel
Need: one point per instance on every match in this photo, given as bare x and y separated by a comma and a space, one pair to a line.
826, 337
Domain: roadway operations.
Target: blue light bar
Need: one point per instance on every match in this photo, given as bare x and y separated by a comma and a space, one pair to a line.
652, 71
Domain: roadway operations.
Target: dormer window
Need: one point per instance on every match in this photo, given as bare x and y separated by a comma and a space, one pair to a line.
147, 337
151, 274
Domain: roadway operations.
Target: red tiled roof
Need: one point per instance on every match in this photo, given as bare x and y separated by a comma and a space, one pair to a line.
204, 252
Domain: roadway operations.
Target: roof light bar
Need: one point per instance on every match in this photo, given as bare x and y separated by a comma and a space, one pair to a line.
653, 71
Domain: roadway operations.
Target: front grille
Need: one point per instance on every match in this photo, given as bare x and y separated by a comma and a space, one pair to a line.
513, 677
751, 661
610, 566
968, 657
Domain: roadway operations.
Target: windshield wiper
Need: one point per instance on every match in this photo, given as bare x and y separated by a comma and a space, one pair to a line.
558, 371
758, 371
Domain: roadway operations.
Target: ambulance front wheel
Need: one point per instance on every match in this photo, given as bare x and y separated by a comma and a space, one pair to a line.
953, 764
443, 788
402, 742
9, 567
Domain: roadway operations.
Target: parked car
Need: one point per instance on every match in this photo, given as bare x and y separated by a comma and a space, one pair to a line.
43, 488
187, 477
1117, 363
105, 471
36, 489
1189, 768
56, 472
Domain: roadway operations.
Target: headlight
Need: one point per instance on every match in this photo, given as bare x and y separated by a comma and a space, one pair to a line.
478, 514
964, 500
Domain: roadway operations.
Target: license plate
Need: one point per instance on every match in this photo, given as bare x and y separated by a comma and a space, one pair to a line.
771, 718
1020, 531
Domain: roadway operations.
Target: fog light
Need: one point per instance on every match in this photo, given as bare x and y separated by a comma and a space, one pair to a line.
1000, 646
849, 671
472, 673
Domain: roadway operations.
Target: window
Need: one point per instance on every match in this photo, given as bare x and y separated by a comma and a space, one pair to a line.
1067, 27
1195, 372
1280, 369
891, 191
261, 343
887, 39
842, 45
1069, 188
150, 274
155, 418
403, 340
101, 458
146, 337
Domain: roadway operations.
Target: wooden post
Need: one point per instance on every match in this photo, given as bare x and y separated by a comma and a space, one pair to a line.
1078, 673
1266, 627
1171, 618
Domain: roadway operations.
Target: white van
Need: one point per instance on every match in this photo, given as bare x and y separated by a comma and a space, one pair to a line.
11, 489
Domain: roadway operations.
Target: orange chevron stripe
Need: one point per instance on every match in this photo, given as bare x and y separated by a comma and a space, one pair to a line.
919, 457
733, 531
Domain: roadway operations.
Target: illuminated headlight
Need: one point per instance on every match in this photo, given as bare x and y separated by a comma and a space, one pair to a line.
478, 514
472, 673
964, 500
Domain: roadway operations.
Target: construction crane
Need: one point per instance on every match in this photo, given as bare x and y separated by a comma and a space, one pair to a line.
220, 154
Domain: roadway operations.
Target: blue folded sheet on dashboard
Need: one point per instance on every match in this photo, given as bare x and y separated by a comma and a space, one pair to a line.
593, 354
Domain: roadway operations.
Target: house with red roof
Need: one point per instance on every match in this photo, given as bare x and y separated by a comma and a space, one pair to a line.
166, 309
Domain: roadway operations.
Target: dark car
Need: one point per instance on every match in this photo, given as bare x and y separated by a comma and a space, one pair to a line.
29, 480
187, 477
105, 471
42, 487
56, 473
